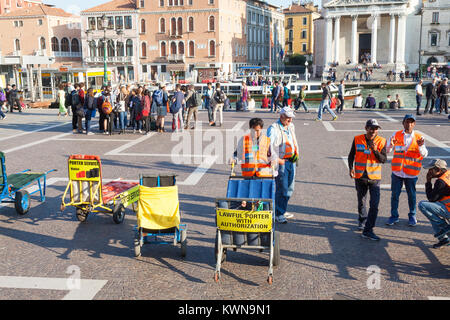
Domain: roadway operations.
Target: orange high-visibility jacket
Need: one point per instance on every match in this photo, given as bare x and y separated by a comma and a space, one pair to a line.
409, 161
446, 199
256, 162
365, 160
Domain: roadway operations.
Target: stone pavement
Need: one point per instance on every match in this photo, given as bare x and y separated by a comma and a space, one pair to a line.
322, 253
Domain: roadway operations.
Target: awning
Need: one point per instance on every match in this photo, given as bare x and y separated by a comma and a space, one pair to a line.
176, 67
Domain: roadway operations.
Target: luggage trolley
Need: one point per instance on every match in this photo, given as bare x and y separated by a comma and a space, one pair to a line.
247, 227
12, 186
158, 213
89, 195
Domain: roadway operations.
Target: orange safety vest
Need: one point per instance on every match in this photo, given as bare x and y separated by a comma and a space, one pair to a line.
446, 199
256, 162
410, 161
287, 147
365, 160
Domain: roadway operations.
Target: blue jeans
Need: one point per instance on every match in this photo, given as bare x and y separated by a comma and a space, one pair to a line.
274, 105
122, 120
436, 212
396, 189
209, 107
302, 104
89, 115
1, 113
284, 187
437, 106
325, 104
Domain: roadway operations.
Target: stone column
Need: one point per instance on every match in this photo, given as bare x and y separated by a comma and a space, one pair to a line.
328, 41
401, 37
374, 40
337, 31
41, 91
391, 39
354, 39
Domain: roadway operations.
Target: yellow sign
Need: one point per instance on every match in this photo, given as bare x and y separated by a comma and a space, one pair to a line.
244, 221
130, 196
84, 170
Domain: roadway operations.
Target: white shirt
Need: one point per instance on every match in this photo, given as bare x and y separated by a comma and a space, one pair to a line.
419, 90
408, 138
358, 101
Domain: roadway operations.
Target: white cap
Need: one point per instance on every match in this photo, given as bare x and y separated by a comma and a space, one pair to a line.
288, 112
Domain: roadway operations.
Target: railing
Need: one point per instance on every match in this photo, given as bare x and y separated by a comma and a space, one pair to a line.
176, 57
108, 59
64, 54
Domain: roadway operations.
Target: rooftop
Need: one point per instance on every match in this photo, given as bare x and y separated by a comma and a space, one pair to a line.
38, 10
115, 5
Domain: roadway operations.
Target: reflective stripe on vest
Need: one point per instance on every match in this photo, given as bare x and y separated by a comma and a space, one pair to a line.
256, 162
365, 160
409, 161
287, 147
446, 200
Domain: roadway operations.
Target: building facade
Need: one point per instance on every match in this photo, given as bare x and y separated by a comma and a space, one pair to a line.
121, 32
435, 39
7, 6
352, 31
299, 26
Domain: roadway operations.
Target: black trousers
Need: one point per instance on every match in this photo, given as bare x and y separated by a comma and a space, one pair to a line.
432, 101
373, 187
341, 106
12, 102
444, 104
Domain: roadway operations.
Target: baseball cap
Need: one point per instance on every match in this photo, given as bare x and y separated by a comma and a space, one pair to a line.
436, 163
372, 123
288, 112
409, 116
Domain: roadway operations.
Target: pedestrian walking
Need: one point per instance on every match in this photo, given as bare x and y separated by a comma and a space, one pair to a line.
284, 143
286, 95
300, 101
219, 98
176, 108
276, 96
13, 99
443, 96
193, 102
159, 103
431, 95
409, 151
61, 99
326, 102
77, 107
208, 105
367, 154
419, 94
90, 105
437, 208
341, 95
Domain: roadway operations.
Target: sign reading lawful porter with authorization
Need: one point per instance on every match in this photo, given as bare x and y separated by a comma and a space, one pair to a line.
244, 221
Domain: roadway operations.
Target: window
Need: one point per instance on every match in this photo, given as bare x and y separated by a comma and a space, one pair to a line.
110, 23
161, 3
142, 26
65, 45
210, 1
191, 24
128, 23
191, 49
91, 23
304, 47
435, 17
163, 68
173, 48
75, 45
55, 44
40, 22
163, 51
101, 49
304, 34
433, 39
290, 23
142, 3
119, 23
120, 49
42, 43
129, 46
162, 25
211, 23
291, 35
173, 26
181, 48
99, 23
143, 50
17, 44
180, 26
305, 21
92, 51
212, 48
111, 50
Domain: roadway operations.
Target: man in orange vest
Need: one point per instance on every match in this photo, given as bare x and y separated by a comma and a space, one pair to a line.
409, 151
368, 153
437, 208
254, 152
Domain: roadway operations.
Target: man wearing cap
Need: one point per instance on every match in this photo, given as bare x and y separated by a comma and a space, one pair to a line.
368, 153
437, 208
409, 151
284, 143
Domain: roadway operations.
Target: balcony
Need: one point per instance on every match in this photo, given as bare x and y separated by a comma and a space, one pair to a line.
176, 57
66, 54
176, 36
108, 59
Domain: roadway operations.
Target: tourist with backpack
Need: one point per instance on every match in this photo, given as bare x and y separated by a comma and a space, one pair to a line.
218, 100
176, 108
193, 102
159, 103
286, 95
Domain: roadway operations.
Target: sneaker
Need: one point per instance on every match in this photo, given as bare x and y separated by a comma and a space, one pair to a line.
391, 221
140, 131
370, 235
317, 119
288, 215
281, 219
134, 130
334, 119
443, 231
90, 133
361, 225
412, 221
441, 243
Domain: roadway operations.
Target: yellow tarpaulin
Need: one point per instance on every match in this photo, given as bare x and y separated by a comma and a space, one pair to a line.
158, 208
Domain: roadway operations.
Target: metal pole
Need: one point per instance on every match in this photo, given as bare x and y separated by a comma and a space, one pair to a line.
105, 67
420, 45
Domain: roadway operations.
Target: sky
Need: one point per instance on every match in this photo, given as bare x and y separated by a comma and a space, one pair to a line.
75, 6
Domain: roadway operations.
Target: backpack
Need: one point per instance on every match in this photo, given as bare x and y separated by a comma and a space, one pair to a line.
68, 100
158, 97
74, 98
219, 97
106, 107
198, 101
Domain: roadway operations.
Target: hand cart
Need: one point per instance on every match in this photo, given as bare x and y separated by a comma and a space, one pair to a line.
89, 195
12, 186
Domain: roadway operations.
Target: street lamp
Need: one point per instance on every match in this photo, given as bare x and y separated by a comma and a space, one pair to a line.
306, 70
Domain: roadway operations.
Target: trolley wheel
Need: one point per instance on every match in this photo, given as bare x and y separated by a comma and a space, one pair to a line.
216, 250
62, 207
22, 202
82, 214
118, 213
137, 248
216, 276
183, 242
270, 280
276, 249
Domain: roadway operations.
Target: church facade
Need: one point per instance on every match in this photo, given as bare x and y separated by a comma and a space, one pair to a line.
384, 32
